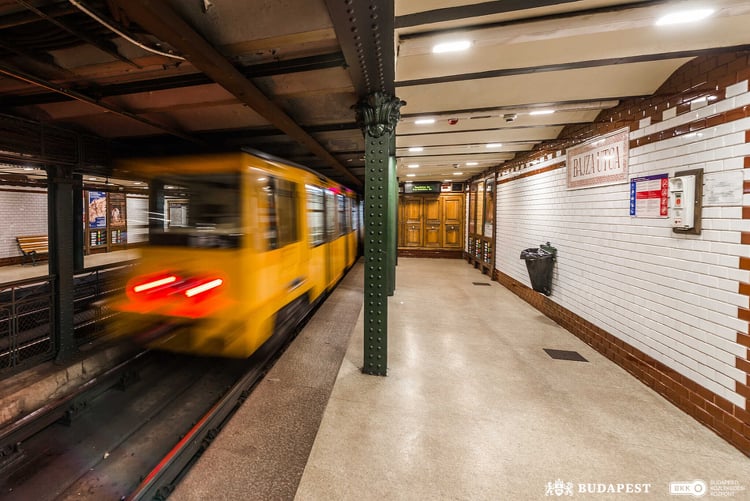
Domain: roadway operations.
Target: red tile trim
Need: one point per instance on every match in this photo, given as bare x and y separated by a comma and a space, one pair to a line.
729, 421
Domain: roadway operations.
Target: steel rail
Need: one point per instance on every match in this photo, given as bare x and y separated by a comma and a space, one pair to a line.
160, 482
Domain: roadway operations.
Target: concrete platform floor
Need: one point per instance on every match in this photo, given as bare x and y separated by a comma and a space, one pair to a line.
473, 408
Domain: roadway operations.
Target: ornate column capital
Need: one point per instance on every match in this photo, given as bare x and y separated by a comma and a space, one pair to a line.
378, 114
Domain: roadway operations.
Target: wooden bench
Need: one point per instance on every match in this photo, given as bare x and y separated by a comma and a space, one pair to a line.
33, 246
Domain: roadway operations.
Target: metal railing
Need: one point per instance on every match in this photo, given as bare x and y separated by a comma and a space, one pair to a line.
27, 328
28, 334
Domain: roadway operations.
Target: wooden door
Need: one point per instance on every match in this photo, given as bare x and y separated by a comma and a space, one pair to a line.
432, 222
412, 226
453, 212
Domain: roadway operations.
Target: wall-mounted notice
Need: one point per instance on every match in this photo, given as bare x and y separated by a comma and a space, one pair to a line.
649, 196
599, 162
723, 188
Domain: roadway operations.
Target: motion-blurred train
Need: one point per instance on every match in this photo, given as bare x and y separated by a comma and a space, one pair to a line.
241, 245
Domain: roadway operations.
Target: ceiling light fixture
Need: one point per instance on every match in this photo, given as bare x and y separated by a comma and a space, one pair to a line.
413, 166
542, 112
493, 145
472, 164
424, 121
454, 46
415, 149
685, 16
458, 173
411, 175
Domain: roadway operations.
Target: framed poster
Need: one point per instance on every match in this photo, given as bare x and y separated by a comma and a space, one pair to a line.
489, 207
117, 209
649, 196
177, 213
97, 209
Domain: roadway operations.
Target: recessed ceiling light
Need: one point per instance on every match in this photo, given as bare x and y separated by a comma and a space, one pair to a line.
424, 121
92, 179
413, 166
28, 168
454, 46
411, 175
458, 173
472, 164
494, 145
685, 16
137, 182
542, 112
415, 149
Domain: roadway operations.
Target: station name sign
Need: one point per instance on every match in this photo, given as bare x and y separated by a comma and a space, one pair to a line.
599, 162
422, 187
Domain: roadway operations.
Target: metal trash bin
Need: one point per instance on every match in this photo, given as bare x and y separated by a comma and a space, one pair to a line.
539, 262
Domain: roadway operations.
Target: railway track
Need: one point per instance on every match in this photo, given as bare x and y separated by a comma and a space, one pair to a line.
133, 433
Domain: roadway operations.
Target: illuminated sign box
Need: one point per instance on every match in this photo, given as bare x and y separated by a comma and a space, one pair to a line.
422, 187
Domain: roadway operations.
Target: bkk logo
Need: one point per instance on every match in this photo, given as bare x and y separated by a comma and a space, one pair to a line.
560, 488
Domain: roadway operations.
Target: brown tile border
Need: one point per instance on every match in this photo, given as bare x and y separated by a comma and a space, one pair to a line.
730, 422
437, 253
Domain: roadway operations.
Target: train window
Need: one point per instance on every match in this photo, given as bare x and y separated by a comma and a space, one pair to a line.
195, 210
342, 216
355, 216
316, 215
331, 231
281, 212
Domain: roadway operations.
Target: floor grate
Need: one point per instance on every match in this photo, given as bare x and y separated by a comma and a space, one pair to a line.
565, 355
480, 283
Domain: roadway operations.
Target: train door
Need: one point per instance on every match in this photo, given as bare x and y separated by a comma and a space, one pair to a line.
281, 271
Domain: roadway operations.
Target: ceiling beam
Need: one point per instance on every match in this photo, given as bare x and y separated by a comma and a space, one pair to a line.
473, 10
34, 80
575, 65
158, 18
311, 63
365, 32
492, 8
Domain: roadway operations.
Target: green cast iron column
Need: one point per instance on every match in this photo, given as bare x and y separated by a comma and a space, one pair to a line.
61, 256
377, 115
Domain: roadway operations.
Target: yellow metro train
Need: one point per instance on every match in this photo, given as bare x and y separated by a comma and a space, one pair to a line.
240, 246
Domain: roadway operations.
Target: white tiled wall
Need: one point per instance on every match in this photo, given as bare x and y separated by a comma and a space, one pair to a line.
23, 211
672, 296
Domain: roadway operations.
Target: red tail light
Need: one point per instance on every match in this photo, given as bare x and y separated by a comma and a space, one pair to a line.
203, 287
154, 283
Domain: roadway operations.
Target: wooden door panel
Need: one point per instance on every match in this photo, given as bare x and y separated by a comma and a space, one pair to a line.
432, 235
412, 235
453, 210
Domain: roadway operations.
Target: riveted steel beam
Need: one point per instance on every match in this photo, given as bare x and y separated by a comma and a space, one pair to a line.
364, 29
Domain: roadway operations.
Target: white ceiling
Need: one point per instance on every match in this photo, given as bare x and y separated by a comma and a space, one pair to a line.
575, 58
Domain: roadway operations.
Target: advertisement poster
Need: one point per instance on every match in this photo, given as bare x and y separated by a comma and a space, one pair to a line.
97, 207
117, 209
649, 196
